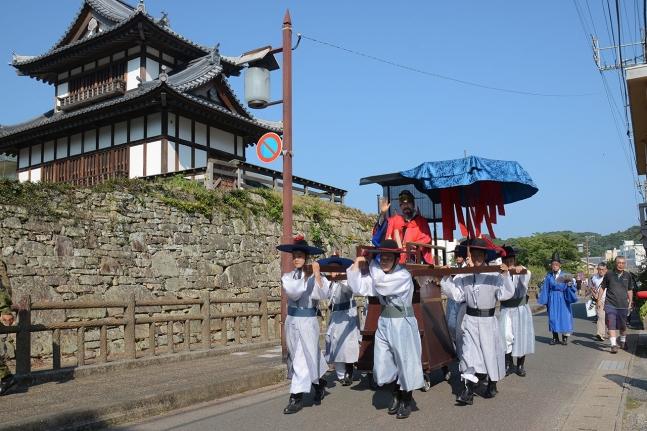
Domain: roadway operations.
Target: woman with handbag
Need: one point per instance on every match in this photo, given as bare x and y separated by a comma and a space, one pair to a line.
558, 294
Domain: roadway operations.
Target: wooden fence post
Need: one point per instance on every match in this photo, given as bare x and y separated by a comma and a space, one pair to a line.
263, 321
23, 340
129, 328
206, 321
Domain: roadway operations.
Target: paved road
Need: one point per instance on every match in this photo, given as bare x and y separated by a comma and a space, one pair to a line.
540, 401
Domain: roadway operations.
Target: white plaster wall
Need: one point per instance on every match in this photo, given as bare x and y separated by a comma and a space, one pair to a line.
221, 140
23, 158
61, 148
62, 90
48, 154
23, 176
136, 161
200, 158
154, 125
133, 73
154, 158
36, 154
185, 128
90, 141
152, 69
76, 144
170, 158
35, 175
201, 134
185, 157
121, 133
171, 124
104, 137
136, 129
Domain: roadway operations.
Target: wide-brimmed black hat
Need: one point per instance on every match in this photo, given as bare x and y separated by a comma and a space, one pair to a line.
387, 246
510, 251
460, 250
555, 257
491, 253
300, 244
336, 260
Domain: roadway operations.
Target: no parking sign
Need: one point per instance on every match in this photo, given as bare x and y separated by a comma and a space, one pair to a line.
269, 147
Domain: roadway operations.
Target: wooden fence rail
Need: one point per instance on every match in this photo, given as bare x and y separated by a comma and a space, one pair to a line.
132, 314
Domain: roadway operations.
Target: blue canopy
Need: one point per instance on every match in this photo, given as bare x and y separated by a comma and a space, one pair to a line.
431, 177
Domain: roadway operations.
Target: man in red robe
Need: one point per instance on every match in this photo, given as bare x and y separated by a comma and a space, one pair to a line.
409, 227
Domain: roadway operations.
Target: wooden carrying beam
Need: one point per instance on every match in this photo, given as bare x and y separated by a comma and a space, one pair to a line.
419, 270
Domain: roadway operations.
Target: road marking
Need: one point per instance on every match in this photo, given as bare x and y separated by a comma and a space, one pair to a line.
612, 365
240, 353
267, 355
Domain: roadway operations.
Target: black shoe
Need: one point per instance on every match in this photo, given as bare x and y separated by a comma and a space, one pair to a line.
294, 405
466, 397
347, 380
521, 372
320, 391
491, 390
564, 340
395, 402
6, 383
554, 341
508, 364
405, 405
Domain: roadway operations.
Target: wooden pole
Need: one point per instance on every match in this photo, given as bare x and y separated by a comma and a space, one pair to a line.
286, 262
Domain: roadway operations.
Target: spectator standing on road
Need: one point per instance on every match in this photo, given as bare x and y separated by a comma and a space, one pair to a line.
618, 287
598, 296
557, 294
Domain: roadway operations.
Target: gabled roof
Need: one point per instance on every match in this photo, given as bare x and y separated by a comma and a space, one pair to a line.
123, 18
200, 72
113, 11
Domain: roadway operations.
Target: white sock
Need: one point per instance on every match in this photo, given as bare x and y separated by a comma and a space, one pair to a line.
623, 338
340, 369
613, 340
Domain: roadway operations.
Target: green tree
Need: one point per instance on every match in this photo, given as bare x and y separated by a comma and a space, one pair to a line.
537, 250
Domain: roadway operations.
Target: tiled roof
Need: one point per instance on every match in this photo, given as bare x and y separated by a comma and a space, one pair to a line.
198, 73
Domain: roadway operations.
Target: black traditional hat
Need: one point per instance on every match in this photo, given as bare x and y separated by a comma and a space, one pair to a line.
491, 253
386, 246
336, 260
510, 251
460, 250
406, 195
555, 257
300, 244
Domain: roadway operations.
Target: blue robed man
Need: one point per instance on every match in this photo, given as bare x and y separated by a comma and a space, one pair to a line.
558, 294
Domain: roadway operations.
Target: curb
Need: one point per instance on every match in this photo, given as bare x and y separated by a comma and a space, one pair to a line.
641, 335
129, 411
118, 365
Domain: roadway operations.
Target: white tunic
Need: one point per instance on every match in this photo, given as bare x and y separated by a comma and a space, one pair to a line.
397, 351
342, 336
516, 323
482, 349
306, 363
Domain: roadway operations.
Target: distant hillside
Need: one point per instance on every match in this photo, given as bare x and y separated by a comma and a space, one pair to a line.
599, 243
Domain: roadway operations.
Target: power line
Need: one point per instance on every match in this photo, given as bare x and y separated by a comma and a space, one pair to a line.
439, 76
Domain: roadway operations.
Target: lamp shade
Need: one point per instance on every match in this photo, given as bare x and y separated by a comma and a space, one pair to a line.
257, 87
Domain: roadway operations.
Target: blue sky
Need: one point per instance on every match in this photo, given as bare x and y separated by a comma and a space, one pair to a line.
354, 117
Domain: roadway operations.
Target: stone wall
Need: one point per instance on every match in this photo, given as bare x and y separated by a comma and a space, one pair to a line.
107, 244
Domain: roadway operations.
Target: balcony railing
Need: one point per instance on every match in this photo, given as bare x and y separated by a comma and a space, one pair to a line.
92, 94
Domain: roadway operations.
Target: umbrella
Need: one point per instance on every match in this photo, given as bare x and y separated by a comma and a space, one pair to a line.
481, 186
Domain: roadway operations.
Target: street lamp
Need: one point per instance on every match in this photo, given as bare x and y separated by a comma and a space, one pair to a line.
257, 95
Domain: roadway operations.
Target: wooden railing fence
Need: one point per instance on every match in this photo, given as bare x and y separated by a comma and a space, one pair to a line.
136, 312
